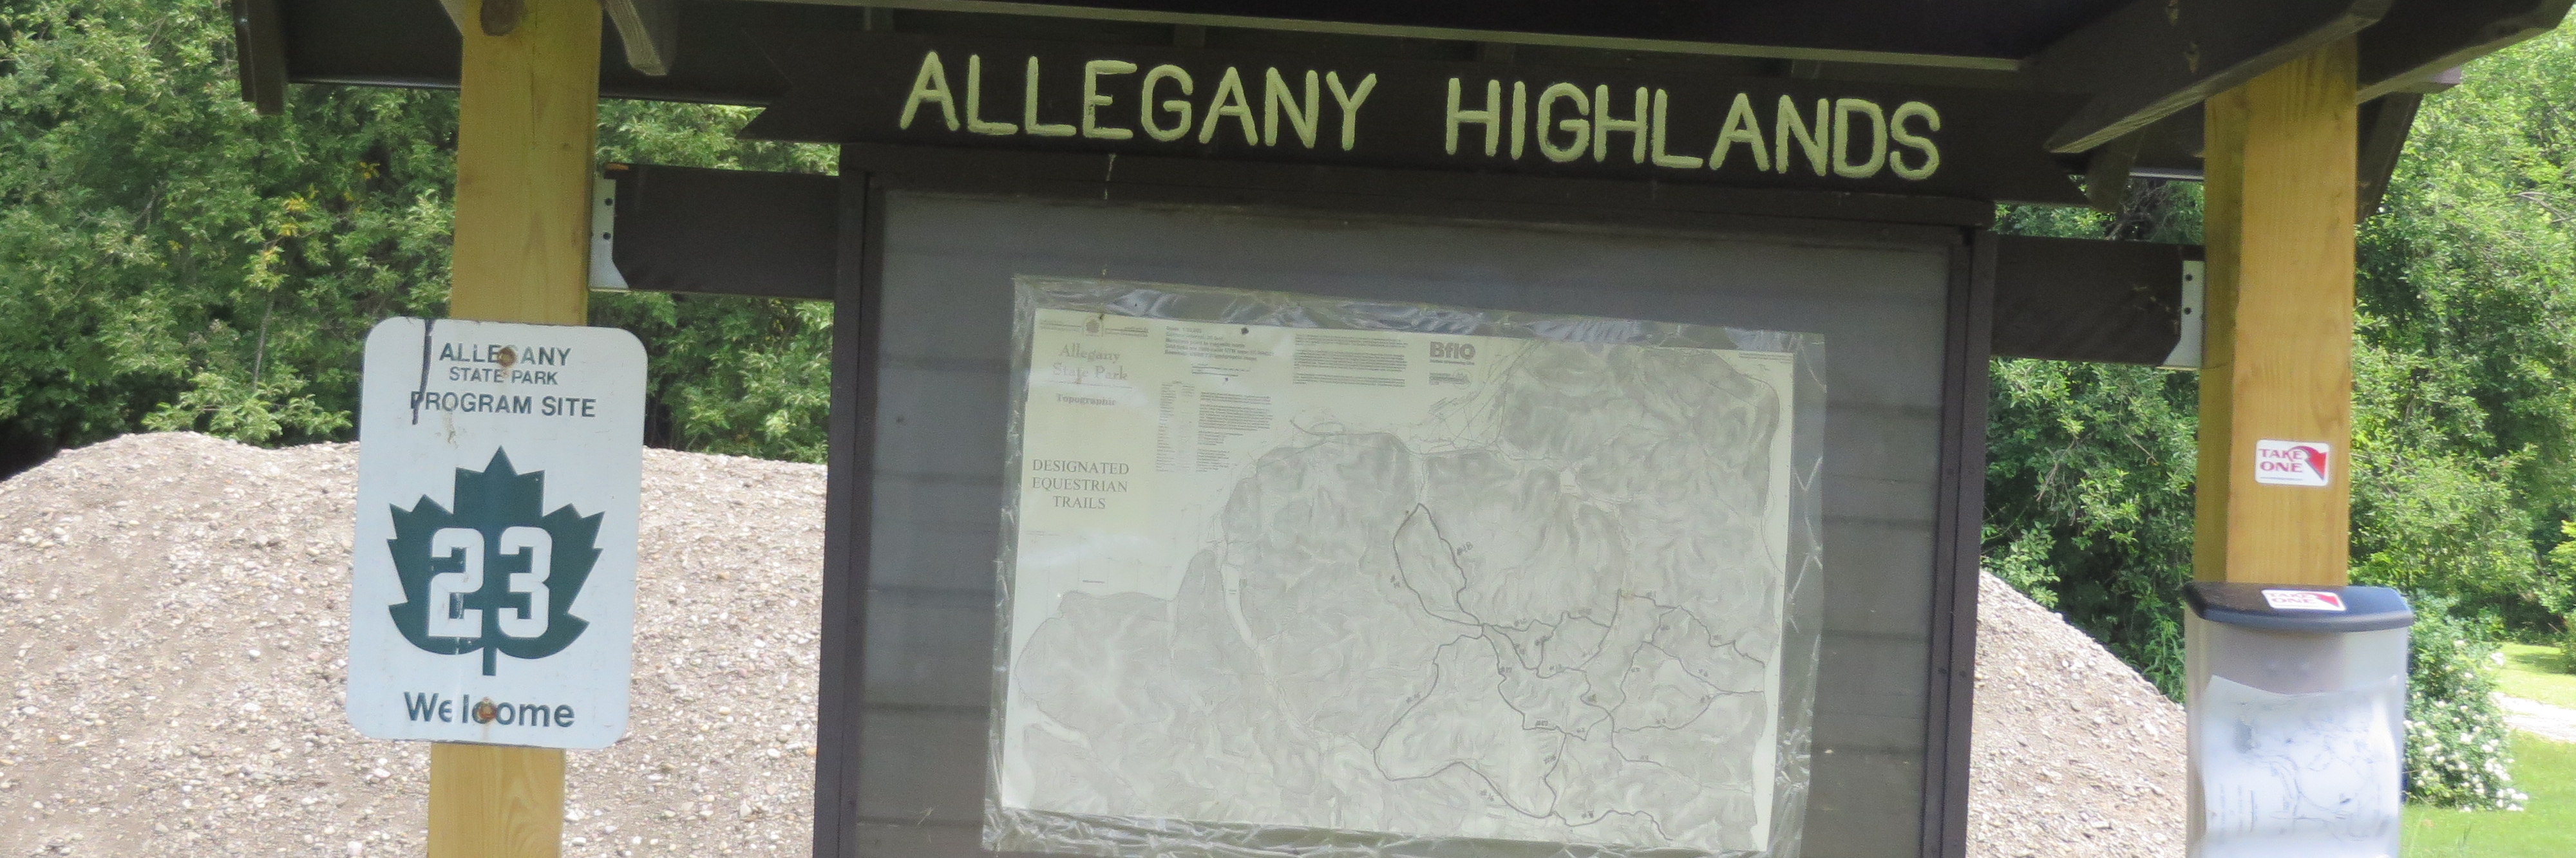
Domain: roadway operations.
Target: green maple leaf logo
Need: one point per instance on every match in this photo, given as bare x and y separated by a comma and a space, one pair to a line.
494, 575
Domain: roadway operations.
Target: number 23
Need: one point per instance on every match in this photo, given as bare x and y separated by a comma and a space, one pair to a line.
449, 618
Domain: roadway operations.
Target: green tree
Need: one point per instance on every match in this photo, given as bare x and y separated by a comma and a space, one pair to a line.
2089, 474
169, 259
2465, 424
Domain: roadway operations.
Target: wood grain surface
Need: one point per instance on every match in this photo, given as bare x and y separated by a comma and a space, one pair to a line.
488, 801
2278, 360
528, 106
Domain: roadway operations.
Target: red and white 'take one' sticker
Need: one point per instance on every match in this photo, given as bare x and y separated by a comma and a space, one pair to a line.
2303, 600
2292, 463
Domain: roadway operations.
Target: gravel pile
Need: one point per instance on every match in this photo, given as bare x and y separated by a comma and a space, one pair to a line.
2075, 754
173, 611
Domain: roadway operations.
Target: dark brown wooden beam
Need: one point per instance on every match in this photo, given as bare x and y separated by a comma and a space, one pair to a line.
2384, 124
2418, 39
2089, 300
261, 54
734, 232
724, 232
2153, 58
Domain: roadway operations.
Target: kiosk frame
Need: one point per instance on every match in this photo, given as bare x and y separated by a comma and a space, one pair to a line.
870, 173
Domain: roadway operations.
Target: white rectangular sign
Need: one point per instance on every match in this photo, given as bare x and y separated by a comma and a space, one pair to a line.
499, 468
2293, 463
2303, 600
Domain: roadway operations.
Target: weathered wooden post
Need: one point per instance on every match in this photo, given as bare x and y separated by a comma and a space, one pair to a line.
528, 107
2278, 367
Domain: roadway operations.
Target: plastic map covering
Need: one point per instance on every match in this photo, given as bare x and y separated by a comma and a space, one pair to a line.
1296, 575
2299, 775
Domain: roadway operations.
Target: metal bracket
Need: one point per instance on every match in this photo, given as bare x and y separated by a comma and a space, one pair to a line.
2194, 318
603, 236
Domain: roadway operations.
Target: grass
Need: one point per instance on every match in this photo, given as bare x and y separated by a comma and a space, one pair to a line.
2537, 673
2546, 770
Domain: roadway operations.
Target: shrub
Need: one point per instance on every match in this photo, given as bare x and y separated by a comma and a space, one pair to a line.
2456, 740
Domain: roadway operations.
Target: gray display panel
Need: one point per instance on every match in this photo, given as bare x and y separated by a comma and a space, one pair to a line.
938, 471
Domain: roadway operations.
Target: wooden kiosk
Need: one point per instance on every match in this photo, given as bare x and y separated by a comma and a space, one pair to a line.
1822, 167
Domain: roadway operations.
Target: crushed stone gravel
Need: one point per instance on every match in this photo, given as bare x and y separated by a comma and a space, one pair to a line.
173, 611
2074, 754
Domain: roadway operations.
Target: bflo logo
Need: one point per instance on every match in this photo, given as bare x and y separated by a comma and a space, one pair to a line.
2292, 463
1453, 351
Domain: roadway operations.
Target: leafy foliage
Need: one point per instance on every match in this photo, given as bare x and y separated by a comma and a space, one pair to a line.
2457, 747
2465, 426
2089, 500
169, 259
2089, 474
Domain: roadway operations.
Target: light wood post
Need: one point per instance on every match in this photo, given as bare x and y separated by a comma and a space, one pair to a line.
489, 801
527, 113
527, 110
2278, 354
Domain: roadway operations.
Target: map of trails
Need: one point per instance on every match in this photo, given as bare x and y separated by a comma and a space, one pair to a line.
1423, 585
2299, 774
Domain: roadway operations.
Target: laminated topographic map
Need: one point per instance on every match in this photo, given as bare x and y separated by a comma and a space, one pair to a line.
1299, 575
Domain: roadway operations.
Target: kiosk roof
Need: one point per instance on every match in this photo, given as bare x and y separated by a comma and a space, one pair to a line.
2143, 66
